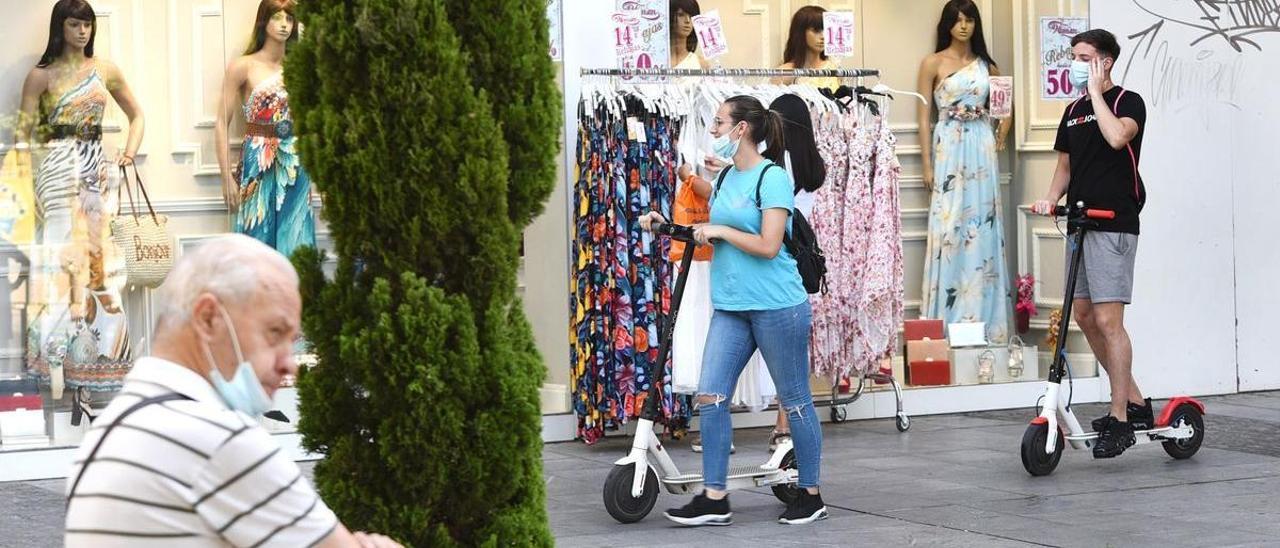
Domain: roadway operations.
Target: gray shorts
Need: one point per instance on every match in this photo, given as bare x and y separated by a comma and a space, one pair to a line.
1106, 268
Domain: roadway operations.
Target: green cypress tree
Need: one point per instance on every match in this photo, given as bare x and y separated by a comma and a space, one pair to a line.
506, 43
425, 396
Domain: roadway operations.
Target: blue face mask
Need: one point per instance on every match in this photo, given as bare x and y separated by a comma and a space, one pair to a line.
1080, 74
243, 392
724, 147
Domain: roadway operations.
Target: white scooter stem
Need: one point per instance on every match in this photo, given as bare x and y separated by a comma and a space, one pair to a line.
644, 443
1053, 409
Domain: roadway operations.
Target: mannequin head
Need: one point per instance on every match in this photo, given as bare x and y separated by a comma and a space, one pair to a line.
805, 37
275, 22
71, 27
801, 150
682, 12
960, 23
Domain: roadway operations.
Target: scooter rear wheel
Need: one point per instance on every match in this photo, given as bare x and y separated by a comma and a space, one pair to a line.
1184, 448
1034, 458
787, 492
617, 494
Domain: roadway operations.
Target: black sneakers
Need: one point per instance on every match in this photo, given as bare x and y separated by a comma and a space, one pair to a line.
1114, 439
1141, 417
804, 509
702, 511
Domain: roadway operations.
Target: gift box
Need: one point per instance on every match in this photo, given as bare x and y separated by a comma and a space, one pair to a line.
918, 351
918, 330
929, 373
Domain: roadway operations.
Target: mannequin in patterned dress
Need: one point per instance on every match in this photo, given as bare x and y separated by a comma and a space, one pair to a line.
77, 275
268, 192
966, 276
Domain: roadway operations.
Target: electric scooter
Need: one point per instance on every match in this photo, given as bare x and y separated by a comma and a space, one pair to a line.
1179, 427
631, 489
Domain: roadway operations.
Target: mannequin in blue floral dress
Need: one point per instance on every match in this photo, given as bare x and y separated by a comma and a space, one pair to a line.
966, 277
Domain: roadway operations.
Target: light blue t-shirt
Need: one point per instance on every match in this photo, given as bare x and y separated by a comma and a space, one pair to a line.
739, 280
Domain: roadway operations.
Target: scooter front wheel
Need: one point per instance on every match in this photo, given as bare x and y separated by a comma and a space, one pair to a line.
1183, 448
1034, 458
617, 494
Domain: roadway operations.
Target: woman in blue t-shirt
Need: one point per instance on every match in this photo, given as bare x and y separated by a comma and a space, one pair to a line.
760, 302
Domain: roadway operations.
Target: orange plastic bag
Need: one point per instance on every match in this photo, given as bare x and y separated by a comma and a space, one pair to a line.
690, 209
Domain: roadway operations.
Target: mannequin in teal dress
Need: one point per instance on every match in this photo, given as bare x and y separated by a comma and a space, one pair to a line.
269, 193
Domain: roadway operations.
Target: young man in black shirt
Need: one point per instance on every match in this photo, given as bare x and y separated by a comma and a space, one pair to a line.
1099, 143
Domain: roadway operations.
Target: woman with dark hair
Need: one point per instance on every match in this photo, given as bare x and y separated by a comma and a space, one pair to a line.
806, 48
965, 275
78, 266
760, 302
807, 172
269, 192
684, 43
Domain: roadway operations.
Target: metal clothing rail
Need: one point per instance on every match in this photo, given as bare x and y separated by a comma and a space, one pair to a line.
840, 73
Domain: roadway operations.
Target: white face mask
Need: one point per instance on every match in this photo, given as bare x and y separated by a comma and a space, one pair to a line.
724, 147
1080, 74
243, 392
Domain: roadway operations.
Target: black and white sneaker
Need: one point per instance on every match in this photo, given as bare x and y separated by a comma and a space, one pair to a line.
1113, 440
702, 511
804, 509
1141, 417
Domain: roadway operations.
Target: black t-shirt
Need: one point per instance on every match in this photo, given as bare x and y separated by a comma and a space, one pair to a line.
1101, 176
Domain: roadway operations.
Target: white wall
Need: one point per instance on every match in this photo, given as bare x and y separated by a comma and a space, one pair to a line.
1205, 258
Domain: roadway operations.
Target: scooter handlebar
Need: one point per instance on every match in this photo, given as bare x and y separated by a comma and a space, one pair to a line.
1090, 213
680, 233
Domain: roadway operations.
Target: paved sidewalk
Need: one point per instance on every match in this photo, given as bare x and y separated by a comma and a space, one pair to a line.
953, 480
957, 480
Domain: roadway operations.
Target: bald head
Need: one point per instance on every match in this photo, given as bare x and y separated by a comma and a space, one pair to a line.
234, 268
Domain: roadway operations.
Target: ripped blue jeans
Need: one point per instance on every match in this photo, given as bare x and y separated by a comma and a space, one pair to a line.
783, 339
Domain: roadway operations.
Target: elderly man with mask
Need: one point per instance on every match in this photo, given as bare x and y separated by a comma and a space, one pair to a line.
179, 458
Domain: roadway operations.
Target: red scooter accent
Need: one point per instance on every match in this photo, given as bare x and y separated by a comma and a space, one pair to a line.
1039, 420
1167, 412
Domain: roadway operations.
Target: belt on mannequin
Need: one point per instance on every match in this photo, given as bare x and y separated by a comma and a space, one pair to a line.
278, 130
964, 114
83, 133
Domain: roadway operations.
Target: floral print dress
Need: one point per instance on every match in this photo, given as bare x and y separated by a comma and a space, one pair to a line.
966, 279
275, 191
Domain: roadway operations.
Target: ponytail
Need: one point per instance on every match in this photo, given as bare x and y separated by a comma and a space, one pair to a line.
775, 148
765, 125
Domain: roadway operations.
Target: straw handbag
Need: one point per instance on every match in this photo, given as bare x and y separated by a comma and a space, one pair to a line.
143, 240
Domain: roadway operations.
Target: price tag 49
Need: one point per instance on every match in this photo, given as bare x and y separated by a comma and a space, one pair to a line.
1001, 96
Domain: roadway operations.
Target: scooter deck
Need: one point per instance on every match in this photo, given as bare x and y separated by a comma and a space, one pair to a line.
1154, 435
735, 472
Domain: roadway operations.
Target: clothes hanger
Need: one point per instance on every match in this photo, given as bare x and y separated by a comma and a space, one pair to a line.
881, 88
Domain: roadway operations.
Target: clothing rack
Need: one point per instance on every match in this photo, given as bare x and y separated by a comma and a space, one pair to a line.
747, 72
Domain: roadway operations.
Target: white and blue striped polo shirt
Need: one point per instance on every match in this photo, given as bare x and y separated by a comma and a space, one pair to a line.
188, 473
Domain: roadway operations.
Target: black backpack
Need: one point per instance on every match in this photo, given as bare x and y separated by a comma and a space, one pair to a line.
801, 241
